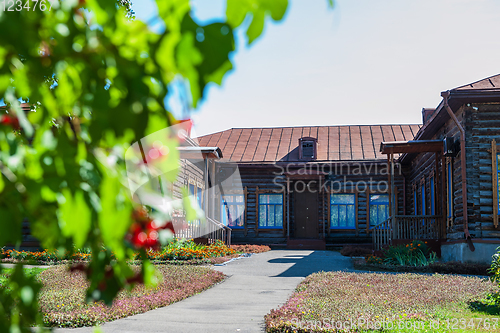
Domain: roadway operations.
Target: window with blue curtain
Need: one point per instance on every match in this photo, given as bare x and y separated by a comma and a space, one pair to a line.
433, 200
422, 198
232, 210
379, 208
191, 189
342, 211
450, 190
498, 181
270, 211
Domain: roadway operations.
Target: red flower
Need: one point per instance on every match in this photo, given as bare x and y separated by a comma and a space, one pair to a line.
9, 120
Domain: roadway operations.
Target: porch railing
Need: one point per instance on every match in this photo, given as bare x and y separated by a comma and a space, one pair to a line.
210, 230
382, 234
406, 227
417, 227
219, 232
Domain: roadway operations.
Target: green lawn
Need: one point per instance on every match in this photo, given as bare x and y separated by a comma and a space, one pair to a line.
32, 271
367, 302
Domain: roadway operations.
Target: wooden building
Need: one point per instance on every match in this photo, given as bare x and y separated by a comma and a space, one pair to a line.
461, 157
379, 184
307, 186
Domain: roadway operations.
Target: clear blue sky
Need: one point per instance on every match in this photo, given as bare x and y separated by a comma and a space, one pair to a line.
364, 62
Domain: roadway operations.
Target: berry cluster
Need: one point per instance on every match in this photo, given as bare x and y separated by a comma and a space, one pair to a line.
144, 232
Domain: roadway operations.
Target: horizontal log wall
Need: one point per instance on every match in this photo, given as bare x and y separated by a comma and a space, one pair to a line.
483, 125
259, 180
272, 179
190, 170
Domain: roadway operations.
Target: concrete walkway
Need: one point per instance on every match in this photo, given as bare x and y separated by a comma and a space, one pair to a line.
255, 286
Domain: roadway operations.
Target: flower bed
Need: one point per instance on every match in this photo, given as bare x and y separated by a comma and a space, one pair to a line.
326, 299
178, 252
418, 258
42, 257
182, 251
189, 250
247, 248
62, 299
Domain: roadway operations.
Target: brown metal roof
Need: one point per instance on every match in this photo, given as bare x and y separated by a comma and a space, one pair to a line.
492, 82
280, 144
24, 106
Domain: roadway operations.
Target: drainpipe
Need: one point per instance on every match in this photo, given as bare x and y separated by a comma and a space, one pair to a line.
446, 96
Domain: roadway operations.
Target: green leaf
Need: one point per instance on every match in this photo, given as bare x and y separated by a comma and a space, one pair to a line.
11, 228
216, 42
256, 27
237, 10
115, 214
151, 275
75, 217
188, 57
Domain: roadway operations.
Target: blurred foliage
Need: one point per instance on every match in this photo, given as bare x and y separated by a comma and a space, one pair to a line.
96, 80
495, 278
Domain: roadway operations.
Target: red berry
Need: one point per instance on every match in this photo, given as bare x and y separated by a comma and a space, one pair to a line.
8, 120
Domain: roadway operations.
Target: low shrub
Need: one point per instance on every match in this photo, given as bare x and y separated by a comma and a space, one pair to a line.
371, 259
355, 251
452, 267
416, 253
249, 248
491, 303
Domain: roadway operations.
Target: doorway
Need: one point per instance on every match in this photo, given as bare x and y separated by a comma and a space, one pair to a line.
306, 214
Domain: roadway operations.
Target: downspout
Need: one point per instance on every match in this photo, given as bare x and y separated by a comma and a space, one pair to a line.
446, 96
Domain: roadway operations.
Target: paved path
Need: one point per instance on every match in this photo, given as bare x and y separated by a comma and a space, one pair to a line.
254, 287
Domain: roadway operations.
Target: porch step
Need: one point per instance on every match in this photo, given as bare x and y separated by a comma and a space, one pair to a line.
306, 244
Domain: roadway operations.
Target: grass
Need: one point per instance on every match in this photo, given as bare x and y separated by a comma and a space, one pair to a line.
408, 302
62, 299
29, 272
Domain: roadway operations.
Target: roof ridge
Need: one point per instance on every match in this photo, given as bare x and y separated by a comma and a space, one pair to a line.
310, 126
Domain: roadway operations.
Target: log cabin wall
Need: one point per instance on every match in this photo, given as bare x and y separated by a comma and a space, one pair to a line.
482, 126
376, 181
257, 180
270, 179
421, 169
190, 171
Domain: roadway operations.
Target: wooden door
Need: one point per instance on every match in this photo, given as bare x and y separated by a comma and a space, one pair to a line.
306, 214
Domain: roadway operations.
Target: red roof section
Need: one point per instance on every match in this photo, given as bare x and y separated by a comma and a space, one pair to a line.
280, 144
